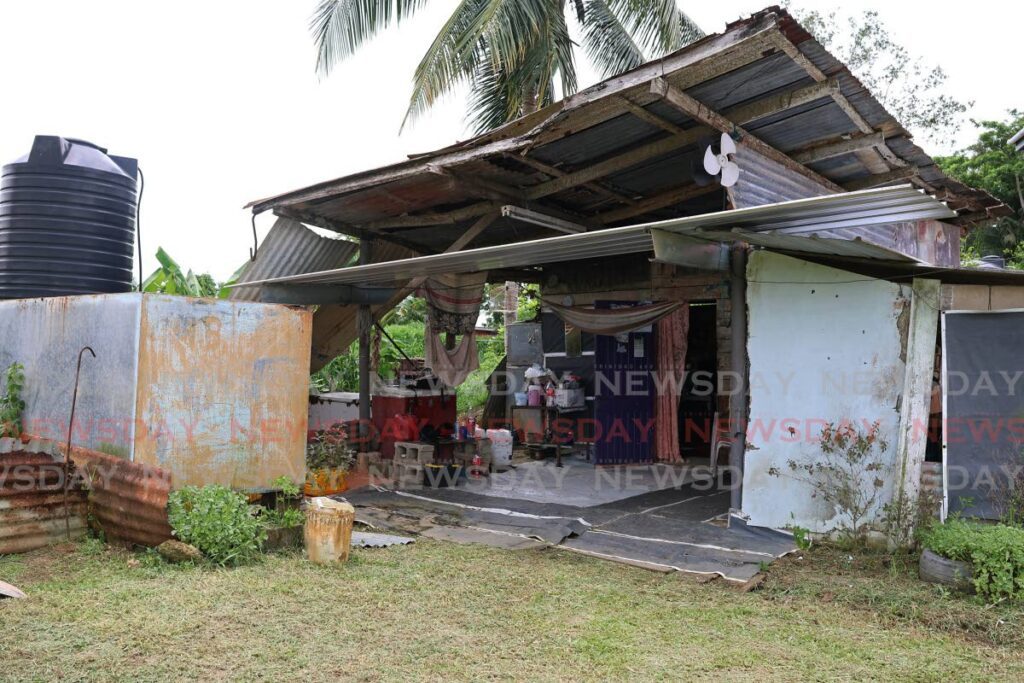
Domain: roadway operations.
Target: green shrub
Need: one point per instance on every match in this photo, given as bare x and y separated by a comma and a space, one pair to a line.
218, 521
995, 551
11, 403
285, 512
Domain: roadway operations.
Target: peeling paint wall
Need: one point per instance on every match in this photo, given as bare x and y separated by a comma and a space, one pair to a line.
824, 345
223, 391
46, 335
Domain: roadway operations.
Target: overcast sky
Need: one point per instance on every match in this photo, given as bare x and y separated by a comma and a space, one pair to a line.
220, 103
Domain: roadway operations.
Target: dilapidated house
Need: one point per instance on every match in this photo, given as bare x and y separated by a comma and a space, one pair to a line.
812, 285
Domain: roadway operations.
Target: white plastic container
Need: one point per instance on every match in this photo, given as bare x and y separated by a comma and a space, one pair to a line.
501, 448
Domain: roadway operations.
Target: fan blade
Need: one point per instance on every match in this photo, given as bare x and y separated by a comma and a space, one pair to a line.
728, 146
730, 174
711, 164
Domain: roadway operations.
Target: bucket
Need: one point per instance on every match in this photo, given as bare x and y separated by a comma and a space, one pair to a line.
520, 397
533, 395
328, 532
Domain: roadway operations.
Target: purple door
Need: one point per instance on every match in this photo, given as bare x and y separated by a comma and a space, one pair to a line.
623, 395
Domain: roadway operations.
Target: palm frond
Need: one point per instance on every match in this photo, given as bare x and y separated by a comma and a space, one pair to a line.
607, 41
339, 27
659, 26
505, 48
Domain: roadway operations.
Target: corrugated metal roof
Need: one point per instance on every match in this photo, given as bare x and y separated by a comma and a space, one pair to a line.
754, 59
290, 248
868, 207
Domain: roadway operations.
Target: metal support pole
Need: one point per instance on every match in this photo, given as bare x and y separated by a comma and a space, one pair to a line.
365, 325
738, 354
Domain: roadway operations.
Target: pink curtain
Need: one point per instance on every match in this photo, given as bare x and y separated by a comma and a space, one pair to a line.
671, 346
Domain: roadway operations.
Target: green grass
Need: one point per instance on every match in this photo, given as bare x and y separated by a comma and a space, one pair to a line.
434, 611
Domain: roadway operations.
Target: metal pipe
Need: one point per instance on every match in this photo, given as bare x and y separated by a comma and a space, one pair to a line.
365, 325
738, 356
67, 451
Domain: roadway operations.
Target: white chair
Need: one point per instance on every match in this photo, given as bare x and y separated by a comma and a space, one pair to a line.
719, 438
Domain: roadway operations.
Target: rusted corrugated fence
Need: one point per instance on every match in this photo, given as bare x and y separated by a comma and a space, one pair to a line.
32, 501
124, 500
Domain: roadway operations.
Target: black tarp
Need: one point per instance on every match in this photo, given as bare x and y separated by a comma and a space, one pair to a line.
983, 389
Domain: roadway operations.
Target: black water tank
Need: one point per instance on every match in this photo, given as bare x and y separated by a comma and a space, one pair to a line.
67, 221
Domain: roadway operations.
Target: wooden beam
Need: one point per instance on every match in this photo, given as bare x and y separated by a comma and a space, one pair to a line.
650, 117
556, 172
486, 189
831, 149
658, 201
863, 125
709, 117
790, 99
422, 220
880, 178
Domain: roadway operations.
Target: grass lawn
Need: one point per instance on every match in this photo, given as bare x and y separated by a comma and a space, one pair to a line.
434, 611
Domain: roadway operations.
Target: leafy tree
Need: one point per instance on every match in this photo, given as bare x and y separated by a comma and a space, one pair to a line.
169, 279
994, 165
910, 89
510, 52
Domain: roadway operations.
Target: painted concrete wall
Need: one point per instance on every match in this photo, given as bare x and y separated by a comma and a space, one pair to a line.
223, 390
46, 335
824, 345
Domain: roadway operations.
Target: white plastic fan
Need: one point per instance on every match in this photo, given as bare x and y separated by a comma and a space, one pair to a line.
721, 162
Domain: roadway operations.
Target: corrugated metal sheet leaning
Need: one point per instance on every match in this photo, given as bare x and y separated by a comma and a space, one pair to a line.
32, 498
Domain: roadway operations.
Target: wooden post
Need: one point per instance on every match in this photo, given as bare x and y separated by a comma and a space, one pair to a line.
738, 348
364, 325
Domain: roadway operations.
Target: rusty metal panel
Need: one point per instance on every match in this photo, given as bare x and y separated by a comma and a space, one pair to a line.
291, 248
46, 335
222, 391
127, 501
32, 500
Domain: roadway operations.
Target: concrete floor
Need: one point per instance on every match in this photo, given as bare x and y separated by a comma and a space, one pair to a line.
580, 483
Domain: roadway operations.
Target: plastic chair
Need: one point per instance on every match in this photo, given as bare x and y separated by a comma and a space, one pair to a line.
719, 438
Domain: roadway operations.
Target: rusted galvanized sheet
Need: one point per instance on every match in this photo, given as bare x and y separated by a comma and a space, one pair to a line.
223, 391
127, 501
291, 248
32, 513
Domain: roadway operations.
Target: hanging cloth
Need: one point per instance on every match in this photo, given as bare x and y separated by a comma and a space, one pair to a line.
671, 342
454, 301
451, 366
615, 320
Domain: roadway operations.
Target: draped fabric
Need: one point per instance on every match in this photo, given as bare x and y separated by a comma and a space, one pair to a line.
451, 366
615, 320
454, 301
671, 342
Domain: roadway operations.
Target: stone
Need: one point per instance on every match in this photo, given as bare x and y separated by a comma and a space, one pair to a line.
176, 551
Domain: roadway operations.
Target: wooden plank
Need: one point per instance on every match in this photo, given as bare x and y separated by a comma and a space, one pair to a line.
484, 188
831, 149
434, 217
773, 104
650, 117
881, 178
556, 172
709, 117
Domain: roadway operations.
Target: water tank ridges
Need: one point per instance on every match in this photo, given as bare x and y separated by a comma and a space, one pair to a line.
67, 221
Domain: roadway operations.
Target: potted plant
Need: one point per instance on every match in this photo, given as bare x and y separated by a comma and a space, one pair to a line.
284, 521
328, 460
987, 559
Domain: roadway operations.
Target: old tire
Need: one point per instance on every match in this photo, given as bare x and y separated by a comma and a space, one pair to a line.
935, 568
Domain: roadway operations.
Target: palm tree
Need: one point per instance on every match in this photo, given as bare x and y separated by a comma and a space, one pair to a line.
510, 52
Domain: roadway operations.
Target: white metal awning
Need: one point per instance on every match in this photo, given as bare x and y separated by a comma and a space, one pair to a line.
786, 225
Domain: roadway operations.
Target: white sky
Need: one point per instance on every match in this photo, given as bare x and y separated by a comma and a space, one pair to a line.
219, 101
